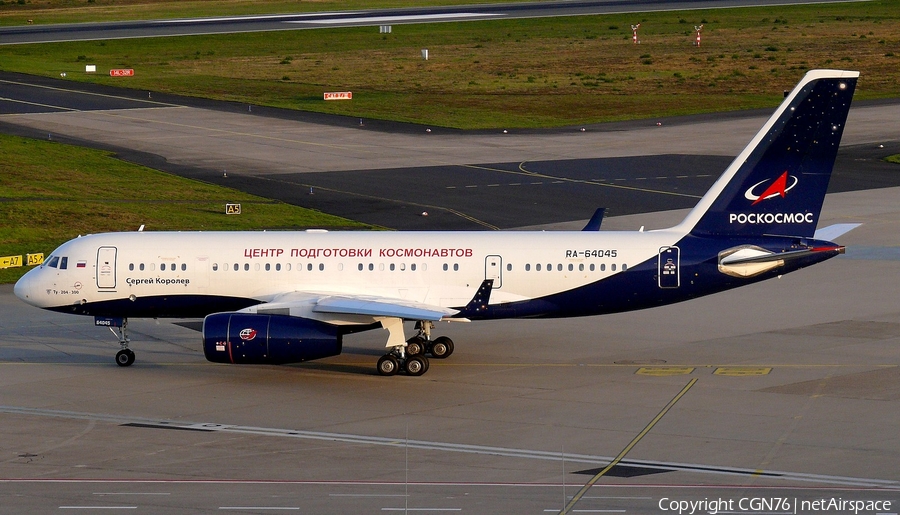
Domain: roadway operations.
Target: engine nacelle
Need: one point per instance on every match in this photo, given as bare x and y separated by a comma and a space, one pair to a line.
267, 339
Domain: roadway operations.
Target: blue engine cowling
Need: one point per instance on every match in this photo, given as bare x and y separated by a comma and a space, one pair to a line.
267, 339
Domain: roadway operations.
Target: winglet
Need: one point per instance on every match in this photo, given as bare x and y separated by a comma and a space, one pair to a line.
479, 302
595, 221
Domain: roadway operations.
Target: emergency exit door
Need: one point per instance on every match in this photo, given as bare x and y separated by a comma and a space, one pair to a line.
106, 267
668, 267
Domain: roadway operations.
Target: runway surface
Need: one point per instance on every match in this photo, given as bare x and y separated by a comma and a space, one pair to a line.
797, 380
316, 20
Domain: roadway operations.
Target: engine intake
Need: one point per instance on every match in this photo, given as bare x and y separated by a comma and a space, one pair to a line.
267, 339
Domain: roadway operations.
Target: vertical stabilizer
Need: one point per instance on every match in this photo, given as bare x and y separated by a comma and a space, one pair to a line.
777, 184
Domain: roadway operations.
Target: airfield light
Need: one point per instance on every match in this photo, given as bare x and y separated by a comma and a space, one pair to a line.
697, 28
634, 37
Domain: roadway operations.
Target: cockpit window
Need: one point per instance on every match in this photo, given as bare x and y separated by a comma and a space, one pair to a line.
63, 263
53, 261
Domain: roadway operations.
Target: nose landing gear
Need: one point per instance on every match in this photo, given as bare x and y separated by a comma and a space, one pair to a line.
125, 357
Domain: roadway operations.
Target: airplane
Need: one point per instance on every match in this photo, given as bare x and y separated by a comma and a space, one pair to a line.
288, 297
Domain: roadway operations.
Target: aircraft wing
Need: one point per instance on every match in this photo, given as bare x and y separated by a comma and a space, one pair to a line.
303, 303
381, 307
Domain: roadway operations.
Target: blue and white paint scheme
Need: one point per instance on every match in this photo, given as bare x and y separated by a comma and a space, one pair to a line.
282, 297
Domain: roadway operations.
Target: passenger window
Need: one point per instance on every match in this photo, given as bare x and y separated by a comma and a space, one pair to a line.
141, 267
237, 267
549, 267
360, 267
246, 267
592, 267
131, 267
402, 267
394, 266
309, 267
162, 267
412, 267
321, 267
456, 267
508, 267
613, 267
183, 267
528, 267
371, 267
268, 267
559, 267
581, 267
215, 267
602, 267
571, 267
256, 267
277, 267
537, 267
445, 267
624, 267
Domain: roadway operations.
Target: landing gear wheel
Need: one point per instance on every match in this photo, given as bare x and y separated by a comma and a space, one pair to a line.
415, 346
388, 365
125, 357
441, 347
416, 365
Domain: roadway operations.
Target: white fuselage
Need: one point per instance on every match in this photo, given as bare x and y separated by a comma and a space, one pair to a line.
440, 269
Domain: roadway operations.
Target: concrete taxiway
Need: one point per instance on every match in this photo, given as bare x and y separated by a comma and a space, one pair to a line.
797, 395
376, 172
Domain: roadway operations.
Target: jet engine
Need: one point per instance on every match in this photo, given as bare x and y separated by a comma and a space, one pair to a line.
245, 338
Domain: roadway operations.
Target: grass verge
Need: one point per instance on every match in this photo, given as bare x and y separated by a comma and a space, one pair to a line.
50, 193
510, 73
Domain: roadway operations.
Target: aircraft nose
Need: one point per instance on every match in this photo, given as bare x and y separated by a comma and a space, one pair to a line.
25, 287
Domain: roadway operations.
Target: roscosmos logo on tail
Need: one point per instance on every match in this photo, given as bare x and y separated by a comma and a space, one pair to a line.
779, 187
248, 334
776, 189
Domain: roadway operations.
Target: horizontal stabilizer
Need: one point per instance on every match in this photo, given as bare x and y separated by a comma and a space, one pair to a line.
833, 232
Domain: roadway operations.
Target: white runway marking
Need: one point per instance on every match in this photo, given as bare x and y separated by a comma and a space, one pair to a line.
586, 459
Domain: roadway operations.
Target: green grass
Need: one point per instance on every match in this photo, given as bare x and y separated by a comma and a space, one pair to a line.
50, 193
893, 159
509, 73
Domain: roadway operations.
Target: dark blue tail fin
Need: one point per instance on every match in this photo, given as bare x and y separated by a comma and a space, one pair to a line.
777, 184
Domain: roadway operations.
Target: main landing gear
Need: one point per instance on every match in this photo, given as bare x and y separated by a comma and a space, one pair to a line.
124, 357
411, 357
